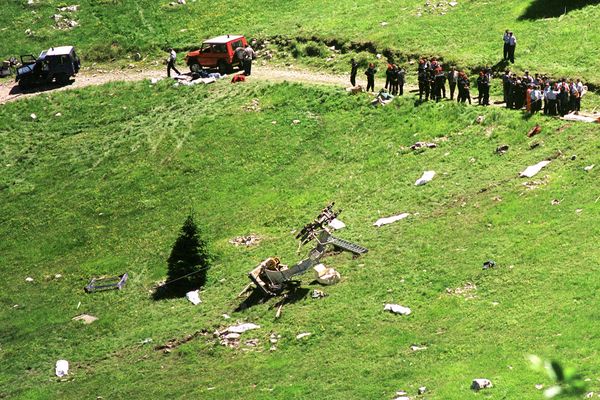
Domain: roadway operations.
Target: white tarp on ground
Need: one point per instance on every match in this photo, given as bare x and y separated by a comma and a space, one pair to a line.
397, 309
194, 297
241, 328
532, 170
427, 176
389, 220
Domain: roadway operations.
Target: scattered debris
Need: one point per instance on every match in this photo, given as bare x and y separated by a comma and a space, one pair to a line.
154, 81
589, 395
579, 210
337, 224
419, 145
539, 386
589, 168
384, 23
534, 131
29, 279
62, 368
574, 157
254, 106
389, 220
295, 122
480, 119
397, 309
532, 170
146, 341
480, 383
555, 202
58, 114
106, 283
466, 291
415, 347
503, 148
355, 89
422, 390
250, 240
33, 116
251, 342
73, 8
317, 294
534, 145
326, 276
194, 297
241, 328
303, 335
226, 316
427, 177
86, 318
174, 343
489, 264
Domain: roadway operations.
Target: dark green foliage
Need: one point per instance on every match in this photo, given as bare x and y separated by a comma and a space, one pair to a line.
314, 49
189, 260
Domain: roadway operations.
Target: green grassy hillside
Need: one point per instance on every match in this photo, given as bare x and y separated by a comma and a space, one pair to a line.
104, 188
468, 33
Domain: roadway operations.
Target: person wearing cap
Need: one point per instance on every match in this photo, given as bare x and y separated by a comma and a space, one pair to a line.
171, 62
353, 71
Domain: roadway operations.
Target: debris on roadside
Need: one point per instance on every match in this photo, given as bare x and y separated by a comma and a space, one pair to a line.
425, 178
532, 170
249, 240
389, 220
194, 297
85, 318
397, 309
481, 383
62, 368
303, 335
534, 131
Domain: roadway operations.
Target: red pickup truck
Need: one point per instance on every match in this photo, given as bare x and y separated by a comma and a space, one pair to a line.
217, 52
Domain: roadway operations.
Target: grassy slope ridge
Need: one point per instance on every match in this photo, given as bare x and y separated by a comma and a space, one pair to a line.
468, 33
104, 188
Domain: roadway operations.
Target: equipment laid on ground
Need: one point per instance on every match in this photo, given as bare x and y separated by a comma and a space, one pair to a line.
7, 67
218, 52
98, 284
272, 277
56, 64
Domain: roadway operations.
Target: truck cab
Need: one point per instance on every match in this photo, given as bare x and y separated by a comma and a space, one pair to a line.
218, 52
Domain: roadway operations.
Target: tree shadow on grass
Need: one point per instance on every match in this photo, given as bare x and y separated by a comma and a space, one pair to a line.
294, 294
553, 8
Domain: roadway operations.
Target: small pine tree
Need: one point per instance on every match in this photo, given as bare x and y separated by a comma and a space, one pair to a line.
189, 259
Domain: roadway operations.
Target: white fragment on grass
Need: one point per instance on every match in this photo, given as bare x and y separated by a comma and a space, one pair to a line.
295, 122
539, 386
389, 220
29, 279
414, 347
588, 168
58, 114
154, 81
337, 224
85, 318
33, 116
326, 276
422, 390
532, 170
453, 3
241, 328
62, 368
481, 383
194, 297
426, 177
303, 335
397, 309
226, 316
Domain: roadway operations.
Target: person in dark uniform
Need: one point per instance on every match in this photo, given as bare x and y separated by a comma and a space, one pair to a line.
394, 80
464, 88
389, 72
452, 79
439, 83
370, 73
506, 40
512, 45
423, 84
487, 81
353, 71
505, 85
401, 76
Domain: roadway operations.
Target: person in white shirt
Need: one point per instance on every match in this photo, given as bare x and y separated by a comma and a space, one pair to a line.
506, 40
549, 99
171, 62
512, 44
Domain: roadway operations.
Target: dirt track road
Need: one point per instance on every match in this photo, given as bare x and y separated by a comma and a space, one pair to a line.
9, 91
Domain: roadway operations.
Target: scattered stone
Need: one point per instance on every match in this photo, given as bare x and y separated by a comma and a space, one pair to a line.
415, 347
480, 119
57, 276
589, 395
303, 335
325, 275
317, 294
480, 383
29, 279
274, 338
503, 148
378, 56
86, 318
453, 3
250, 240
56, 17
146, 341
28, 32
422, 390
397, 309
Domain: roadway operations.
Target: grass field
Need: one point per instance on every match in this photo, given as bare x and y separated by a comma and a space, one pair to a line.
468, 34
105, 187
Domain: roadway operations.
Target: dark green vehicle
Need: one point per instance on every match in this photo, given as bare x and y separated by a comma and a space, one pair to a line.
57, 64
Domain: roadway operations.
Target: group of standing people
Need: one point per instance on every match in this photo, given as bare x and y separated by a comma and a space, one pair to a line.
537, 93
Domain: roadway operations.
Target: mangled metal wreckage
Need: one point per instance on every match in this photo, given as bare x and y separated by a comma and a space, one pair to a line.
271, 277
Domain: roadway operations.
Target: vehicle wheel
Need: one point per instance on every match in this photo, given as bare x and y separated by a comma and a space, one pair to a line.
224, 68
195, 67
